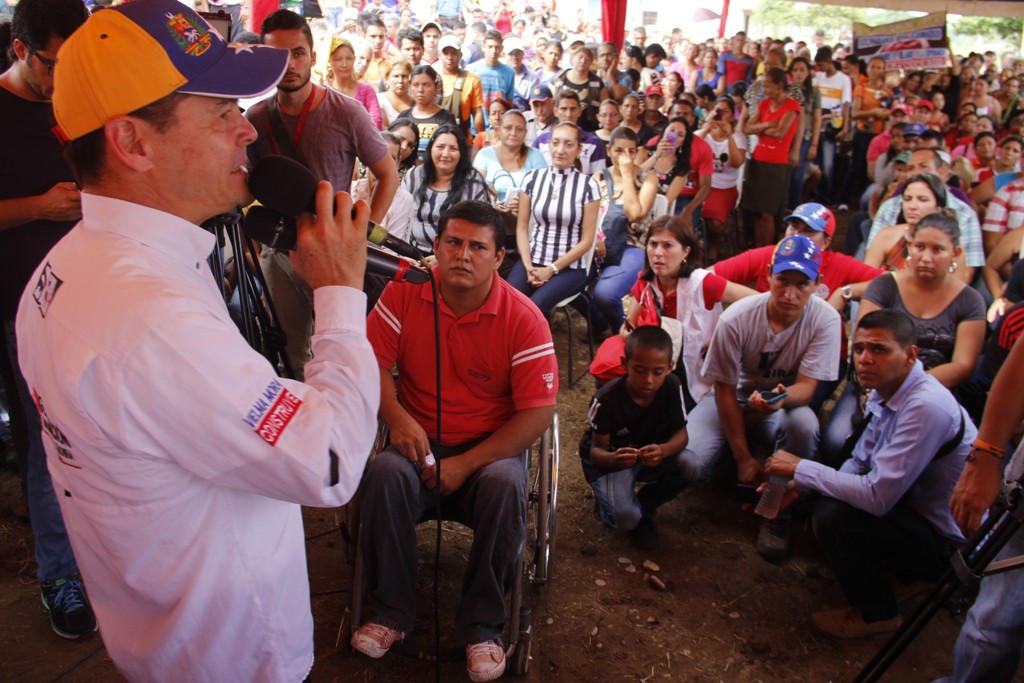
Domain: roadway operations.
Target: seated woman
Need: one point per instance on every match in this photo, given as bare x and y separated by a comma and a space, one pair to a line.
409, 135
627, 197
684, 165
672, 286
426, 113
446, 177
558, 209
949, 317
924, 194
341, 77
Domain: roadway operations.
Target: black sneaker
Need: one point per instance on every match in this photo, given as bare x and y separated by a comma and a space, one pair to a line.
645, 535
70, 614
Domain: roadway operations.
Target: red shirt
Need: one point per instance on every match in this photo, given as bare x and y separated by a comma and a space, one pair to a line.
837, 271
772, 150
702, 164
495, 361
713, 288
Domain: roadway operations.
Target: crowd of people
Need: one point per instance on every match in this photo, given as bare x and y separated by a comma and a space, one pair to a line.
530, 162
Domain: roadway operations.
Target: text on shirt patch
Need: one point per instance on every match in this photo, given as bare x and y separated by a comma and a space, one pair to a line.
46, 289
60, 442
273, 410
549, 379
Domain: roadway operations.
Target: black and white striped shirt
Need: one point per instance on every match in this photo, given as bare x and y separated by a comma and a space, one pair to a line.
427, 213
557, 198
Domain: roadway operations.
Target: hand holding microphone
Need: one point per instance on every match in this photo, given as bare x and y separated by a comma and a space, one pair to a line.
287, 189
329, 250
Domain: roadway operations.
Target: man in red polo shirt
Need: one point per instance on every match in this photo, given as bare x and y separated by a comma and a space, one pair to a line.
499, 379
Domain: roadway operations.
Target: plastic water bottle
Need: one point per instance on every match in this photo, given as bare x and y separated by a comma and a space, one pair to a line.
771, 497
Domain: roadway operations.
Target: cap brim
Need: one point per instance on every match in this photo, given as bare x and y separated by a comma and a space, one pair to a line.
800, 267
243, 71
803, 220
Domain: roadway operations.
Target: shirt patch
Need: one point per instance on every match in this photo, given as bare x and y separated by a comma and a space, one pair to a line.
272, 411
549, 379
46, 289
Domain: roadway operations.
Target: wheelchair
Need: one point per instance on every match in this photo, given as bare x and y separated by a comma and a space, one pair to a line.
533, 568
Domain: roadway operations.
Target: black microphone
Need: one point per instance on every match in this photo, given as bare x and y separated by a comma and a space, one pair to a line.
289, 188
278, 232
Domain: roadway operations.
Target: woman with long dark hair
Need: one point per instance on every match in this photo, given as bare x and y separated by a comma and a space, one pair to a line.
409, 135
684, 165
445, 177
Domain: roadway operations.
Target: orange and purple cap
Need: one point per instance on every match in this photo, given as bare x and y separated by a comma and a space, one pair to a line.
128, 57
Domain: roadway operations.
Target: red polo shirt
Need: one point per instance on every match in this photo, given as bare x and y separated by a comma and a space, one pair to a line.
495, 361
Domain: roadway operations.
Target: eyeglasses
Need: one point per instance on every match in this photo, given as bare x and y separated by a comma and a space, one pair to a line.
48, 63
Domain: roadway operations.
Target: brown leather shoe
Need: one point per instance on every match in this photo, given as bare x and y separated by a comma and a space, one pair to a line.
846, 622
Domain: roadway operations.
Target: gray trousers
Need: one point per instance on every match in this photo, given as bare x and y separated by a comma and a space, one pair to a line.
293, 300
492, 502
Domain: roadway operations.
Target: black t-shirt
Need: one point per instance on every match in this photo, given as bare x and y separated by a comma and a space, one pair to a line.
428, 125
1015, 284
613, 412
31, 162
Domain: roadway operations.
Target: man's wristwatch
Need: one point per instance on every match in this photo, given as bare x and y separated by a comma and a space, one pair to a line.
847, 292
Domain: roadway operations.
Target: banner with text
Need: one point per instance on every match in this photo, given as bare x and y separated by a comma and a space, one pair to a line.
909, 45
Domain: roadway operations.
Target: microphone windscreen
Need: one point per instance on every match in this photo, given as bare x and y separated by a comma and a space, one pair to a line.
282, 184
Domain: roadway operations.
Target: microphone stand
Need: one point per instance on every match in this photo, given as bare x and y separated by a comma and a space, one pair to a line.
259, 322
968, 566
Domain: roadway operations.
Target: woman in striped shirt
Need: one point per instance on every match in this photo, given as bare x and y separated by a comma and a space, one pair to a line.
558, 210
445, 177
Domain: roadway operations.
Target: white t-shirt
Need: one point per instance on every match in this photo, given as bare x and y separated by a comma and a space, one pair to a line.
745, 352
726, 175
834, 90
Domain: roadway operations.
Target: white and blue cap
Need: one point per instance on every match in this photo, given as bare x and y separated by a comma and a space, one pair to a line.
797, 253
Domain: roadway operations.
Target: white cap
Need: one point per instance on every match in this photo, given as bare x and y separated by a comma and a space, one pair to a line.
513, 43
449, 40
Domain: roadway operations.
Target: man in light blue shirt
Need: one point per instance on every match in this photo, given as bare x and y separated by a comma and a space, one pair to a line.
928, 161
886, 509
498, 80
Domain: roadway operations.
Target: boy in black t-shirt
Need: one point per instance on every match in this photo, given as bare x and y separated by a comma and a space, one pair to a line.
636, 433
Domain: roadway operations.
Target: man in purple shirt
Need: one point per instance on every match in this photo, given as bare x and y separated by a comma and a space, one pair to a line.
886, 509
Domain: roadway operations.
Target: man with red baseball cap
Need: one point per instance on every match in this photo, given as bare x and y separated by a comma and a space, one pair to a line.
179, 457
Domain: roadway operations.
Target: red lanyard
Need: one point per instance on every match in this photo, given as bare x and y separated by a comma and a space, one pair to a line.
302, 119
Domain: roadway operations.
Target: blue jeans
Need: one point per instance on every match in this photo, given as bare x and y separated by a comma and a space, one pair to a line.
615, 283
988, 649
796, 180
620, 506
492, 502
794, 429
54, 558
568, 282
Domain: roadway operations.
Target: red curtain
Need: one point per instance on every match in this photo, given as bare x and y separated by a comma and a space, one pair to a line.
613, 24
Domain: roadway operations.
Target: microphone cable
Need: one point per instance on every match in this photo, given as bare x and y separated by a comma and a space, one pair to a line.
437, 474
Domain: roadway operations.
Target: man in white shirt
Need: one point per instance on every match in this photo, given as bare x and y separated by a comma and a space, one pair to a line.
525, 80
180, 457
836, 98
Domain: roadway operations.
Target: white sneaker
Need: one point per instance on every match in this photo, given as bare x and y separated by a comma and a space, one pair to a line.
374, 640
485, 661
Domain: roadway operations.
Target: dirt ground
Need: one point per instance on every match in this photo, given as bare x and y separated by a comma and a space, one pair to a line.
728, 614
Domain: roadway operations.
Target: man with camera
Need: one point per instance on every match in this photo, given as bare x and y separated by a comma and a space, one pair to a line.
499, 379
886, 509
180, 458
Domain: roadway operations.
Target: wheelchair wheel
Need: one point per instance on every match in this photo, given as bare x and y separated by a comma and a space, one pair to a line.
545, 495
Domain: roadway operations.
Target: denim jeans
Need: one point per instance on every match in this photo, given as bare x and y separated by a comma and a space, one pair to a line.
864, 549
796, 179
840, 425
620, 505
988, 649
795, 430
492, 501
615, 283
568, 282
54, 557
